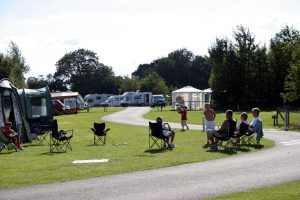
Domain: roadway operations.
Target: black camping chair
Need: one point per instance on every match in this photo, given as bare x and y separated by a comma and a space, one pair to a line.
41, 129
99, 133
242, 133
230, 135
6, 143
249, 138
59, 141
156, 134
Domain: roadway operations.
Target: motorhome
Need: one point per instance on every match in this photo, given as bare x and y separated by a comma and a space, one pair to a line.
96, 99
113, 101
136, 99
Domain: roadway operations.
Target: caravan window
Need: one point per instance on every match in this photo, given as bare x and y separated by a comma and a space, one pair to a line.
70, 103
98, 97
38, 107
90, 100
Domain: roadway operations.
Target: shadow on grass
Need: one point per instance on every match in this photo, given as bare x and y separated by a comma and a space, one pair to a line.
8, 152
52, 153
223, 151
255, 146
155, 151
96, 145
34, 145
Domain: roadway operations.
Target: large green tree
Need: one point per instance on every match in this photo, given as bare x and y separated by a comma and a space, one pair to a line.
240, 70
81, 71
180, 68
291, 92
280, 56
13, 66
153, 83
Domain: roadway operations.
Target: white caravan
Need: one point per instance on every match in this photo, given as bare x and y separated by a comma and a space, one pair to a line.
113, 101
136, 99
96, 99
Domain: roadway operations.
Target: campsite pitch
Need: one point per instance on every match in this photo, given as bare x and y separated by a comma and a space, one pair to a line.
126, 149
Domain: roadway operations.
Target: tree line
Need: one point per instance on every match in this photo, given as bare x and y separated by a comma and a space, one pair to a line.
241, 71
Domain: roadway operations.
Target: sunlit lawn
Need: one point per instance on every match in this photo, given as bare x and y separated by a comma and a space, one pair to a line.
195, 117
127, 147
288, 191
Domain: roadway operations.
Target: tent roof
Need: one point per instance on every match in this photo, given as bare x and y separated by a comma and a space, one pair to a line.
64, 94
35, 92
5, 83
187, 89
208, 90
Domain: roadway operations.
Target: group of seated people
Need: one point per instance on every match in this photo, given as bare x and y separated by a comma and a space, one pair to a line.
229, 126
215, 137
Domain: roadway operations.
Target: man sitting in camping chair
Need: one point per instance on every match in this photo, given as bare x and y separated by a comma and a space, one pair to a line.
167, 132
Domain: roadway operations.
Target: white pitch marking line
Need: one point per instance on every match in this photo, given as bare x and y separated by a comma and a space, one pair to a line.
292, 142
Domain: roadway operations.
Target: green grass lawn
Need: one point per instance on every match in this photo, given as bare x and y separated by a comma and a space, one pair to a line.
127, 147
195, 117
281, 192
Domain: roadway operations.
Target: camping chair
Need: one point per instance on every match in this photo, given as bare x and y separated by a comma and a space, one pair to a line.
99, 133
40, 130
229, 138
58, 139
156, 134
6, 143
249, 137
240, 135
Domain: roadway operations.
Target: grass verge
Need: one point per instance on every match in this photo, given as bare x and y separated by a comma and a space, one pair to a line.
127, 147
195, 117
288, 191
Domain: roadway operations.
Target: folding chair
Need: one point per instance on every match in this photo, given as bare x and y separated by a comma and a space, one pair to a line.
59, 142
156, 136
40, 130
240, 135
6, 143
229, 138
99, 133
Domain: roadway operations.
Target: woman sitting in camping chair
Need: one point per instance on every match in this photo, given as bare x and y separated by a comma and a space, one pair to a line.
167, 132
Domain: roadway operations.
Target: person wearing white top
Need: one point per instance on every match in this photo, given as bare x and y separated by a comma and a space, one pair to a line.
167, 131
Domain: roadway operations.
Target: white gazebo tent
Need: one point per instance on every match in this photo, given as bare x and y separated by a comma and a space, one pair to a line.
191, 97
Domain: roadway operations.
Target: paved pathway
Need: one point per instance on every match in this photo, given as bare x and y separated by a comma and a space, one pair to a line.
191, 181
134, 116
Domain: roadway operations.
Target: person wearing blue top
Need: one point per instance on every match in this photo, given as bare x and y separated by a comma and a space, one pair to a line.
256, 125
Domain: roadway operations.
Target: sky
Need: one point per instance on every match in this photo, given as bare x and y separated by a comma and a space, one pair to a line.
126, 33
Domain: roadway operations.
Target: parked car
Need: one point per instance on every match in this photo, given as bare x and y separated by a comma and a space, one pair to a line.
158, 100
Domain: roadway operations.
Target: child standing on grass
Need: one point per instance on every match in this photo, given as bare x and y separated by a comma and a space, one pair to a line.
210, 116
183, 113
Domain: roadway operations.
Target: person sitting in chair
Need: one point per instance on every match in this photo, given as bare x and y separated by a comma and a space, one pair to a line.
256, 125
167, 131
242, 128
12, 135
213, 135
